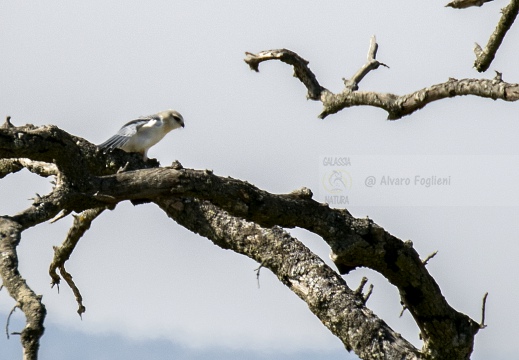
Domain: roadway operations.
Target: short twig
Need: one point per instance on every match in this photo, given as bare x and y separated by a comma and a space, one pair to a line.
9, 319
61, 215
258, 274
371, 64
404, 308
36, 199
360, 289
429, 257
124, 168
79, 299
104, 198
368, 294
483, 310
7, 124
62, 253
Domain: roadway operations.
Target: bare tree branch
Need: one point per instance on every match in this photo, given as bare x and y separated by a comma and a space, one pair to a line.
371, 64
354, 242
485, 57
325, 292
28, 301
482, 325
62, 253
301, 69
237, 215
429, 257
396, 106
360, 289
463, 4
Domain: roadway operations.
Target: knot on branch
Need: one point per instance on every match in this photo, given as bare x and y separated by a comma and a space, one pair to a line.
7, 124
303, 193
176, 165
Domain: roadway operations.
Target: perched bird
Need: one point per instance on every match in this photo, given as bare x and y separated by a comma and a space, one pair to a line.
141, 134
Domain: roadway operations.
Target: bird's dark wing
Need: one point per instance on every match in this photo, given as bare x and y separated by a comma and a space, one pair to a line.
114, 142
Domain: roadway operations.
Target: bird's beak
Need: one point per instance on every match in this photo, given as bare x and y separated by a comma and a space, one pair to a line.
182, 124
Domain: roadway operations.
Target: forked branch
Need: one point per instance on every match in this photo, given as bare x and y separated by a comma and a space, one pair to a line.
62, 253
371, 64
484, 57
237, 215
396, 106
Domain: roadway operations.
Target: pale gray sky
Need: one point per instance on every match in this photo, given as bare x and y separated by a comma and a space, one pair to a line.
152, 288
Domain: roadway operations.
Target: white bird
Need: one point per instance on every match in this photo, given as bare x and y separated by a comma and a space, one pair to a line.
141, 134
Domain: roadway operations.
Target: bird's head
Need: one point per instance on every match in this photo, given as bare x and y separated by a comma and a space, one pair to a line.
172, 118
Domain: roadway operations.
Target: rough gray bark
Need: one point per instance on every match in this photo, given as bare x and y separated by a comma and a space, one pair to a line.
484, 57
238, 216
340, 309
25, 298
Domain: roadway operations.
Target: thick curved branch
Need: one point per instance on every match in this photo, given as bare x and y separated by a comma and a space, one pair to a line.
447, 334
34, 143
354, 242
301, 69
396, 106
325, 292
484, 57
